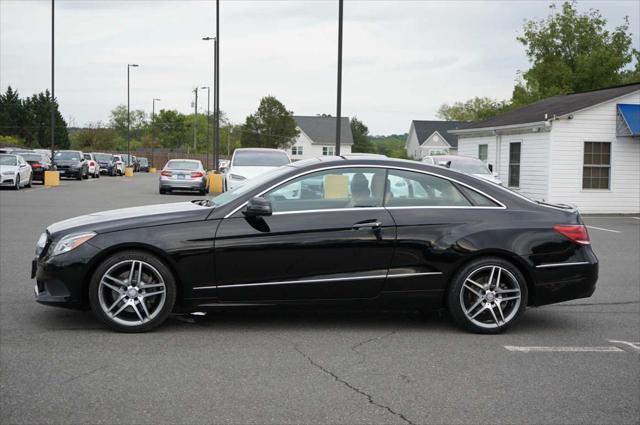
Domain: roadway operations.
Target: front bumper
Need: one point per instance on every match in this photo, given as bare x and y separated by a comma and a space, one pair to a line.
70, 172
8, 181
62, 280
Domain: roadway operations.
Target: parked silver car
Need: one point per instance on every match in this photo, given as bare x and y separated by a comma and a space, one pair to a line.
183, 174
465, 164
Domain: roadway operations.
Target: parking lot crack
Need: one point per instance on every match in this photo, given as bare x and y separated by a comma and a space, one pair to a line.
363, 356
85, 374
351, 386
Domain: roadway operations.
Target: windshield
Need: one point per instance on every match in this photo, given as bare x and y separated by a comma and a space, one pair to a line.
68, 156
103, 157
143, 161
8, 160
182, 165
251, 184
260, 159
470, 167
31, 156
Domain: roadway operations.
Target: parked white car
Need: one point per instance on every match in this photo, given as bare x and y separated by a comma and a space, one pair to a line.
464, 164
94, 165
247, 163
119, 165
14, 171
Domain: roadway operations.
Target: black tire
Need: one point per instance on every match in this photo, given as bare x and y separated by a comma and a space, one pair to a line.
85, 174
17, 185
79, 177
97, 175
167, 277
490, 320
162, 191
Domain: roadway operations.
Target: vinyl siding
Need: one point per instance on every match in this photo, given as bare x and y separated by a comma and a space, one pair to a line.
597, 124
312, 150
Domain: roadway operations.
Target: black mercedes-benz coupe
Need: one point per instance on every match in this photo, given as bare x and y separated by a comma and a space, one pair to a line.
360, 231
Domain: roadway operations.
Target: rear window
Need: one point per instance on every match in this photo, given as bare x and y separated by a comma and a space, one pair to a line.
68, 156
260, 159
102, 157
31, 157
182, 165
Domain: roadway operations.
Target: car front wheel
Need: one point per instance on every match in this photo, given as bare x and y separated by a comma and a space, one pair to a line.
487, 295
132, 291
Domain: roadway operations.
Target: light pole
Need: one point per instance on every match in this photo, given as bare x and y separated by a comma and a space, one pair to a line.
129, 66
215, 94
195, 118
153, 127
339, 99
208, 119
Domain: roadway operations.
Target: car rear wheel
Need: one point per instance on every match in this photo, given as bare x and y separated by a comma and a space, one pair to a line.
132, 291
487, 295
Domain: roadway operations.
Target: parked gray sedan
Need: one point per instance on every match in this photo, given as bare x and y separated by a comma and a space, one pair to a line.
183, 174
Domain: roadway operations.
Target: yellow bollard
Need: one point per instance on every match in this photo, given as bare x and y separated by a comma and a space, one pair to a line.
215, 182
52, 178
152, 170
128, 172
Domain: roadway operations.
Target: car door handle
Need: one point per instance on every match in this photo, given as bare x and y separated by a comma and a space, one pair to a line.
367, 225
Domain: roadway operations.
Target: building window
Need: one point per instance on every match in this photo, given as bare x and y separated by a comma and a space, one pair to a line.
597, 165
483, 152
296, 150
514, 164
327, 150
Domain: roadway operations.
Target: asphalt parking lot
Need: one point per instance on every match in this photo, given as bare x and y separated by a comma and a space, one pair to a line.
576, 362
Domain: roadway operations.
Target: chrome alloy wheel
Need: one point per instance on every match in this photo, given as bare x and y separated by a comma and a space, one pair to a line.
490, 296
131, 292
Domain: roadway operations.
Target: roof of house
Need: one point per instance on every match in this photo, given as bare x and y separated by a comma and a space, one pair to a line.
424, 129
554, 106
322, 130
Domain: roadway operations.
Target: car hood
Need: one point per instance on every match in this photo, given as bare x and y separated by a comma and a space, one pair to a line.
13, 168
134, 217
249, 172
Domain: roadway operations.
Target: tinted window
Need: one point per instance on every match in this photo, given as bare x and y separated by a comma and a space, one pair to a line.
67, 156
143, 161
87, 156
182, 165
8, 160
477, 199
32, 157
330, 189
103, 157
260, 159
411, 189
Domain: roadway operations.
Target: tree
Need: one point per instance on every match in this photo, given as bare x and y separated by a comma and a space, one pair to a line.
476, 109
272, 126
572, 52
38, 122
360, 132
12, 114
118, 121
95, 137
171, 129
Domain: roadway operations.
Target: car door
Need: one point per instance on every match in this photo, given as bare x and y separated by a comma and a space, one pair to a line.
23, 171
328, 238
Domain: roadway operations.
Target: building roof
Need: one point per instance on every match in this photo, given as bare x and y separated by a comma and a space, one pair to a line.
554, 106
424, 129
322, 130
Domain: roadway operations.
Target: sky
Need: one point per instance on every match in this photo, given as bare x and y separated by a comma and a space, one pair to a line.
401, 59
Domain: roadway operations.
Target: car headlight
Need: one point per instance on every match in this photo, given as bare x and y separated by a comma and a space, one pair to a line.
237, 177
71, 241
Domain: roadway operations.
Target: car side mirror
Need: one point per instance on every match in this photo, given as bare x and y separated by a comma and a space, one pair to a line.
490, 167
258, 207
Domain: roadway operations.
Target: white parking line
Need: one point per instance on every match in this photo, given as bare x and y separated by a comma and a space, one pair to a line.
634, 345
604, 230
561, 349
636, 218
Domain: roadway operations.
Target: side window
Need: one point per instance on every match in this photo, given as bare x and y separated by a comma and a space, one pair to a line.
411, 189
477, 199
330, 189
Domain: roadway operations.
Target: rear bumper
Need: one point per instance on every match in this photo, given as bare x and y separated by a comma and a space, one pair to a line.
564, 282
199, 184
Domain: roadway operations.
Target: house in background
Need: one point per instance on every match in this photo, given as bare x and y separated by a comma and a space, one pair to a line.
318, 137
432, 138
581, 149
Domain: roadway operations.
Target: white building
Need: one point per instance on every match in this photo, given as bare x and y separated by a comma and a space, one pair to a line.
318, 137
581, 149
431, 138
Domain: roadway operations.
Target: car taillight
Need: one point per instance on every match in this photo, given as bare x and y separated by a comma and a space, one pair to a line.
36, 165
576, 232
197, 174
93, 164
166, 173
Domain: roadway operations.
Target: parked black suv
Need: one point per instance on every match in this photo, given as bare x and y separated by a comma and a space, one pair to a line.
71, 164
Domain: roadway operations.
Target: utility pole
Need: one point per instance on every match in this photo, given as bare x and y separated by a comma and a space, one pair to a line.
339, 100
216, 99
153, 128
195, 118
215, 48
129, 161
53, 90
